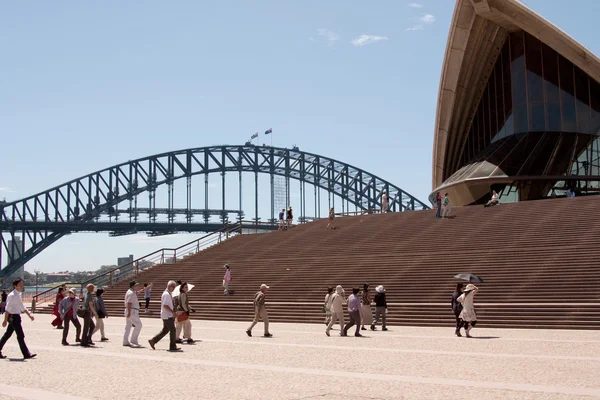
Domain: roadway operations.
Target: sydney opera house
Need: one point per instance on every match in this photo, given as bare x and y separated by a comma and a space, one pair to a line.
518, 108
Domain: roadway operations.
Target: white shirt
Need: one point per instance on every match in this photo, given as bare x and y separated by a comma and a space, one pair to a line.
131, 297
14, 303
166, 300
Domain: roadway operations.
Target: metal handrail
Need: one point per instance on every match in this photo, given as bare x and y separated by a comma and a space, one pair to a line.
227, 230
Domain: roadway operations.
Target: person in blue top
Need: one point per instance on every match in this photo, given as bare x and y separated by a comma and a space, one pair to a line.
282, 220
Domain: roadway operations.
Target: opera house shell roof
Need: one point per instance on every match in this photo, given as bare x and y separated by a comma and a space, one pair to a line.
517, 105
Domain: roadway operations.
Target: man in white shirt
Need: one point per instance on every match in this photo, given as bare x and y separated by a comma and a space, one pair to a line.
132, 317
12, 318
167, 314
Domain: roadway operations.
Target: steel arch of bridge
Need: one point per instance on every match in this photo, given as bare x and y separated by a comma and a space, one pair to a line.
77, 205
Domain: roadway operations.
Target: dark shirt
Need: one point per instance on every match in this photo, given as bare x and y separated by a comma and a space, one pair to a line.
456, 306
281, 215
4, 296
380, 300
289, 215
89, 298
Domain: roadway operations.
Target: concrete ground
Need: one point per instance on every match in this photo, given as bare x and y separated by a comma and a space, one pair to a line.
300, 362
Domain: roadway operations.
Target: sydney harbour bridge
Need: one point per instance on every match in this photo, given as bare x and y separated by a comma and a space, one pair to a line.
140, 196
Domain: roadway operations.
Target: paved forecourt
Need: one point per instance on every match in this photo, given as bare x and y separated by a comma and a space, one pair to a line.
300, 362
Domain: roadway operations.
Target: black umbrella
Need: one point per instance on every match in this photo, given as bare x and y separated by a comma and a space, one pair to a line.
469, 278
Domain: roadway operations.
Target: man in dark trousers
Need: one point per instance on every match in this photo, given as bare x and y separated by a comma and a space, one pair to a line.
380, 308
12, 318
457, 307
167, 314
88, 322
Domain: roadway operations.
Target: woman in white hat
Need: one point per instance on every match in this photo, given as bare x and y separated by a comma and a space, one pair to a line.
468, 312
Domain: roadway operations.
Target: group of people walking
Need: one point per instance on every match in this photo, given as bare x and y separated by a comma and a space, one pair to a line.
359, 309
68, 309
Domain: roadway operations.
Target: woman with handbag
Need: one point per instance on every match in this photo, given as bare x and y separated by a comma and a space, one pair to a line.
183, 315
68, 313
101, 311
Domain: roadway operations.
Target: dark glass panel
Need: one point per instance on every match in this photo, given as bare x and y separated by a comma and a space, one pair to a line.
537, 117
533, 60
583, 101
535, 84
519, 82
567, 100
595, 103
551, 91
493, 107
499, 98
508, 127
485, 117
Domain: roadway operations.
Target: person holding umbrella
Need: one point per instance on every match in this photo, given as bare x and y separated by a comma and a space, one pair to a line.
457, 308
468, 312
183, 313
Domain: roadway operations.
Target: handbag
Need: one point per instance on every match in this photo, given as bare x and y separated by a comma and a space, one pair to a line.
81, 312
182, 317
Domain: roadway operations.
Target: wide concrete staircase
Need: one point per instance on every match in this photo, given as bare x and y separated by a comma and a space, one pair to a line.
540, 261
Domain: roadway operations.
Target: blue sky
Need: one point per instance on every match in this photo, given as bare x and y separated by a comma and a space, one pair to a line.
85, 85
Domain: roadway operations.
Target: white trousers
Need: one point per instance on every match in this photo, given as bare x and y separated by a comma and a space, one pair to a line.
134, 322
336, 317
186, 326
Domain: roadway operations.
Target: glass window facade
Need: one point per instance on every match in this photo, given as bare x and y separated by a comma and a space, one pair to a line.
536, 127
532, 88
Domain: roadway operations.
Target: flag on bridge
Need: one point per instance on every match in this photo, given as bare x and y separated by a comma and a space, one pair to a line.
254, 136
268, 131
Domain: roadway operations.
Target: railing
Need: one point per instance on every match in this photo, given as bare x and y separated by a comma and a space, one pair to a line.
158, 257
50, 294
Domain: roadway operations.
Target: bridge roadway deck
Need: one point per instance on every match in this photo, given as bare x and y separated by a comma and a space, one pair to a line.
300, 362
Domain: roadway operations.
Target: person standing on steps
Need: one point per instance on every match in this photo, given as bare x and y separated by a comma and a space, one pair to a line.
226, 279
290, 217
331, 218
260, 311
68, 312
367, 315
384, 202
132, 317
438, 205
468, 312
337, 310
147, 294
446, 209
12, 319
380, 308
354, 312
58, 322
282, 219
88, 323
457, 308
167, 314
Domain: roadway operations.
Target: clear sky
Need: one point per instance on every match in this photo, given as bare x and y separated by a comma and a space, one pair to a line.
86, 85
